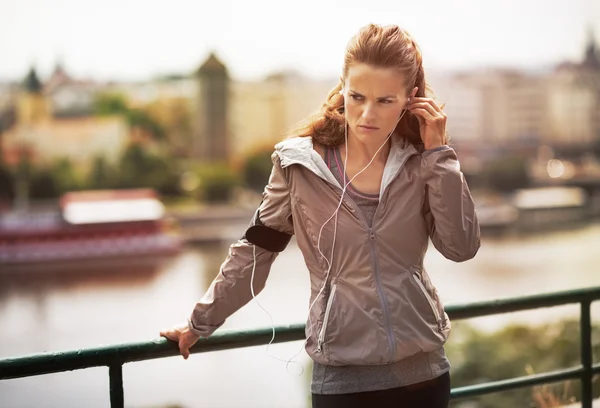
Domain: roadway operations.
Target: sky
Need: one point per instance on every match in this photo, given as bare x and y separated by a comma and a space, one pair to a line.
140, 39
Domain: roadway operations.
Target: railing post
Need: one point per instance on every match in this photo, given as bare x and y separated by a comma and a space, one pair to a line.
115, 373
586, 354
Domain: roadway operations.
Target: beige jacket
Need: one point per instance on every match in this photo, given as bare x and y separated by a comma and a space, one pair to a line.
379, 305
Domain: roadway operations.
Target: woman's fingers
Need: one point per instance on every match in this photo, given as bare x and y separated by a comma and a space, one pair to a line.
183, 337
425, 106
427, 101
177, 336
184, 348
425, 114
171, 334
186, 341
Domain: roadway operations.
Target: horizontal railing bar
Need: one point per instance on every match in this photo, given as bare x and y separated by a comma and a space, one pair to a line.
515, 383
487, 308
53, 362
47, 363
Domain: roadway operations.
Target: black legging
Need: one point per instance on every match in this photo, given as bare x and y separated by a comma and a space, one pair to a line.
434, 395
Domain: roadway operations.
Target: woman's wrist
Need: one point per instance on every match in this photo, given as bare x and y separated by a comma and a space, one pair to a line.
434, 147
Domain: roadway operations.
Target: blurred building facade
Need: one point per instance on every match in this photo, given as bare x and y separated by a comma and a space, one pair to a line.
506, 106
263, 112
228, 119
231, 119
574, 100
210, 117
211, 134
55, 120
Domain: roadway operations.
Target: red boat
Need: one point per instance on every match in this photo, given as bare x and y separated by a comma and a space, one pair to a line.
89, 225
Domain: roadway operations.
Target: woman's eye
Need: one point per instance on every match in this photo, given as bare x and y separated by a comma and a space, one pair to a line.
386, 101
355, 97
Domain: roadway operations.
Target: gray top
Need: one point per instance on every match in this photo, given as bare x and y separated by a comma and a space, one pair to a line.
348, 379
366, 202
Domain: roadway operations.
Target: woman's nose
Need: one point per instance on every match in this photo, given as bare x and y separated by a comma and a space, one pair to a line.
367, 112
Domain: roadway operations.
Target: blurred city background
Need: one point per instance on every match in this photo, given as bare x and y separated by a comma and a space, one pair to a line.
135, 140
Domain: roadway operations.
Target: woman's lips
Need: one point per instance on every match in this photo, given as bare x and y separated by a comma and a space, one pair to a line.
365, 127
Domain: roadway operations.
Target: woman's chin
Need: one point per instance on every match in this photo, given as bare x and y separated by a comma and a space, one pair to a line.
366, 135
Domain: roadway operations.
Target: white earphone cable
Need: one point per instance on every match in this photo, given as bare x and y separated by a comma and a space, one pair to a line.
328, 261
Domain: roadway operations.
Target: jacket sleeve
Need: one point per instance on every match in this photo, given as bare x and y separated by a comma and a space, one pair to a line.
449, 208
230, 290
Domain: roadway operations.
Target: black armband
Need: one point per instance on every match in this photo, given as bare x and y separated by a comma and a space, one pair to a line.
265, 237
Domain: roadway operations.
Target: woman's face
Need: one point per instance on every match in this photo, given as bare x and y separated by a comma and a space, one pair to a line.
374, 99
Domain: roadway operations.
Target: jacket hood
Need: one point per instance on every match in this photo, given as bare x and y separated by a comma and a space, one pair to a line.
299, 150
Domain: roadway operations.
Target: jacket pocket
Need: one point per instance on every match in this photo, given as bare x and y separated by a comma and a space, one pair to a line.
432, 303
321, 338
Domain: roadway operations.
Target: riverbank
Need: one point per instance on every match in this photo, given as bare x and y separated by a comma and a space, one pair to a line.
526, 212
207, 224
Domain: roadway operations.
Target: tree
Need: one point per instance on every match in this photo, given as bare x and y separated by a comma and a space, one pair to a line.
138, 168
107, 104
7, 184
257, 169
65, 176
140, 120
217, 182
512, 352
43, 185
101, 175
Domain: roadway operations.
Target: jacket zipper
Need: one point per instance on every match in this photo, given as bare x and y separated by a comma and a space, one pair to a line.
386, 310
386, 313
321, 338
432, 304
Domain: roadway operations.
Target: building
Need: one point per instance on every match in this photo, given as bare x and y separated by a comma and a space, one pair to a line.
206, 115
508, 106
495, 106
69, 97
58, 122
262, 112
464, 106
211, 133
228, 119
574, 100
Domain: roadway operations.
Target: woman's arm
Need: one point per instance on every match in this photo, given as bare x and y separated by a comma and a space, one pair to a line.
449, 208
268, 234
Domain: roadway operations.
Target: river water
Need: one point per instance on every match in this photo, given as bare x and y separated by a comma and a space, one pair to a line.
59, 308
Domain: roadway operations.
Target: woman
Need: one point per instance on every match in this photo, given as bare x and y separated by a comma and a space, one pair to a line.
363, 187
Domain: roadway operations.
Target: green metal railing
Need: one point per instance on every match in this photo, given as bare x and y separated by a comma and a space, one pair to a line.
115, 356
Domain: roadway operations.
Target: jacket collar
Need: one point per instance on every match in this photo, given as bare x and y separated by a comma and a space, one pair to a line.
299, 150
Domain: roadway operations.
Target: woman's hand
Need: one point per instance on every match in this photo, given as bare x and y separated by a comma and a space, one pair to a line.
432, 121
184, 338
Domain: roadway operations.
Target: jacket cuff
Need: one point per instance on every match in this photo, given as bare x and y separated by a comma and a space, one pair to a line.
437, 149
202, 330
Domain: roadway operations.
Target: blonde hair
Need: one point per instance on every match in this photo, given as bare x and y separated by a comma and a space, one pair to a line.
381, 47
